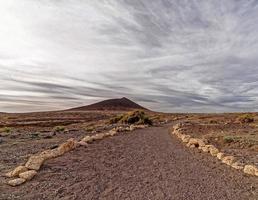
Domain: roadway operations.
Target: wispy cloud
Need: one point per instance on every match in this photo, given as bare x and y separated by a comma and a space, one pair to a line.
169, 55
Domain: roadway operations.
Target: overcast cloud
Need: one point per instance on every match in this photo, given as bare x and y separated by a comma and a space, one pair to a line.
168, 55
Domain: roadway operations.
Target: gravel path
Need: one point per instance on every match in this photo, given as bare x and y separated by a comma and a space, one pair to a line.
144, 164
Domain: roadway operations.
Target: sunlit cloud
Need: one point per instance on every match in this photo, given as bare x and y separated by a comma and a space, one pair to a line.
168, 55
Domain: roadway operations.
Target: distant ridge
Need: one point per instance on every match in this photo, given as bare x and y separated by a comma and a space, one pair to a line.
111, 104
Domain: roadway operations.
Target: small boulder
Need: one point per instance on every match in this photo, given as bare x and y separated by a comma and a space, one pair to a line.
35, 162
53, 153
16, 182
68, 145
107, 134
28, 175
112, 132
131, 128
192, 146
177, 126
120, 129
213, 150
220, 155
237, 165
178, 134
141, 126
181, 135
87, 139
98, 136
103, 135
229, 160
185, 138
205, 149
16, 171
196, 142
251, 169
82, 143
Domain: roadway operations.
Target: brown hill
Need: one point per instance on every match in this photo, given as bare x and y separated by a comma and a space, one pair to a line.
111, 104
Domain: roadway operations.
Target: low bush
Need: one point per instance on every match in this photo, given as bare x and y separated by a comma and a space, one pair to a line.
134, 117
246, 118
230, 139
89, 128
212, 121
5, 130
115, 119
59, 128
34, 135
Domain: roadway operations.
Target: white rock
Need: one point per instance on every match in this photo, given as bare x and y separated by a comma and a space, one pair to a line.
251, 169
28, 175
16, 171
16, 182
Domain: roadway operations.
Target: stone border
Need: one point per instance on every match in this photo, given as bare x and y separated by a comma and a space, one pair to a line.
208, 148
24, 173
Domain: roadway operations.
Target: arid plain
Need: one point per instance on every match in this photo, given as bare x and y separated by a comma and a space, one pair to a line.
143, 160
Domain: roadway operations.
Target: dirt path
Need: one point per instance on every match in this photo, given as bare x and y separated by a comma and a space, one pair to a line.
144, 164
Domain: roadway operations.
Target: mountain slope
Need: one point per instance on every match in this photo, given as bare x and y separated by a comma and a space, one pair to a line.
111, 104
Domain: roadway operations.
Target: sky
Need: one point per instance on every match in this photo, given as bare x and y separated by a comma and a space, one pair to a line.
167, 55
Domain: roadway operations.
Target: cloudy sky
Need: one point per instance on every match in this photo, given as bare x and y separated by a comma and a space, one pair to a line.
168, 55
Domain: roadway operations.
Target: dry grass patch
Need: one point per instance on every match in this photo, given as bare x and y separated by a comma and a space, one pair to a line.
59, 128
245, 118
134, 117
5, 130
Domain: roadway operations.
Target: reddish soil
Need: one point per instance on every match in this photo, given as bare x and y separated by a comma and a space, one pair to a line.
46, 121
144, 164
229, 136
31, 133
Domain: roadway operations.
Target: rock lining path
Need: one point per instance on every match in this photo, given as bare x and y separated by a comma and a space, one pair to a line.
143, 164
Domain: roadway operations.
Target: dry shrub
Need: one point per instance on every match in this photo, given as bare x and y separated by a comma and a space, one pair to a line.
89, 128
213, 121
245, 118
5, 130
115, 119
134, 117
59, 129
228, 139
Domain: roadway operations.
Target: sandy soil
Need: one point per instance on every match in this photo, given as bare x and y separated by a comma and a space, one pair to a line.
144, 164
231, 137
30, 133
34, 132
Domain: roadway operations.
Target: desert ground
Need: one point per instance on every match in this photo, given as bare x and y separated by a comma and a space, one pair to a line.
147, 163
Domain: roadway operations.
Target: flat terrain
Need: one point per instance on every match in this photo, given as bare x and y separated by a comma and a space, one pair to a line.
144, 164
22, 135
228, 134
34, 132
